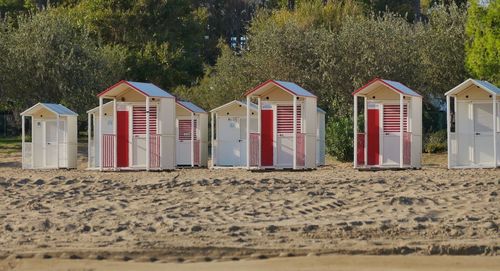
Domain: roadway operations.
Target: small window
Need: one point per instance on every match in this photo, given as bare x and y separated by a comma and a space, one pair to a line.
452, 115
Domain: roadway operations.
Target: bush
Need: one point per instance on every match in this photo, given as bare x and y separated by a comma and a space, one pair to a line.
339, 138
436, 142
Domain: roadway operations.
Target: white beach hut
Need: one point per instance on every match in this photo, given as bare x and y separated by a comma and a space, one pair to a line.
134, 131
320, 138
392, 136
286, 129
54, 137
229, 133
191, 147
473, 125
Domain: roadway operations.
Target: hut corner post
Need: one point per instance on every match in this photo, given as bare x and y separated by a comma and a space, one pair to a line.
57, 139
22, 143
100, 133
259, 107
148, 136
294, 131
248, 132
401, 132
192, 139
212, 119
448, 129
115, 131
355, 131
88, 140
495, 158
365, 127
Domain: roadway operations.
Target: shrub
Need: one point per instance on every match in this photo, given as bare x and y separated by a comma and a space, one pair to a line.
339, 138
436, 142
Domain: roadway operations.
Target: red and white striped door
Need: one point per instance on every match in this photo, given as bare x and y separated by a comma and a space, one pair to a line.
183, 144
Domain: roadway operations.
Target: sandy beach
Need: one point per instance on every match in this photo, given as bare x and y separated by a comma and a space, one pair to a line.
201, 215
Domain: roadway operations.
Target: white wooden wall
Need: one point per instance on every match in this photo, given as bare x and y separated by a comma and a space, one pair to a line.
166, 128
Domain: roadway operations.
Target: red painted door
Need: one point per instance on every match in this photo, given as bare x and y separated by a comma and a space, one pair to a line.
267, 138
122, 137
373, 135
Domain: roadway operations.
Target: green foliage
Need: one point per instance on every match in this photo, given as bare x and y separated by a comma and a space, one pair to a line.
483, 41
332, 57
339, 138
47, 58
436, 142
164, 38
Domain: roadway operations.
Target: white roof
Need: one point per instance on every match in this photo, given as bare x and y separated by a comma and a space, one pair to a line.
57, 109
485, 85
97, 107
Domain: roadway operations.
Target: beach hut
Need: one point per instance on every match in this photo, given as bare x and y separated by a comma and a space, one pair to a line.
286, 129
54, 137
191, 147
392, 136
473, 125
229, 133
320, 137
135, 130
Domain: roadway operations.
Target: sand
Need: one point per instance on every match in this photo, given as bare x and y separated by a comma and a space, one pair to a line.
199, 215
323, 263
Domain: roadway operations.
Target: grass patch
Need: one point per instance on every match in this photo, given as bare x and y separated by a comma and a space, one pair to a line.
10, 144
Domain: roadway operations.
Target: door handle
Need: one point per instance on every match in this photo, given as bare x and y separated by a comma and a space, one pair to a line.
478, 133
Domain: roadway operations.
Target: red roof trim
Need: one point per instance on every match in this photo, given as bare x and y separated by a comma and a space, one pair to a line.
119, 83
376, 79
257, 87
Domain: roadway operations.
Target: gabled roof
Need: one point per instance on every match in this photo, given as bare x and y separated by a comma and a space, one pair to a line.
396, 86
57, 109
485, 85
242, 103
321, 110
147, 89
289, 87
97, 107
191, 107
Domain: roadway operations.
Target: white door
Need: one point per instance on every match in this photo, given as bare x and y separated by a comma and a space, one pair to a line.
228, 141
391, 133
183, 146
483, 134
50, 150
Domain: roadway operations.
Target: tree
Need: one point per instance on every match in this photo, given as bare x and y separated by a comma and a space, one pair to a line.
483, 41
165, 39
47, 58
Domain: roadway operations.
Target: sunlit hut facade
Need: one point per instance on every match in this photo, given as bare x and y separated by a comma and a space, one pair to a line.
392, 136
192, 135
135, 130
473, 125
229, 133
53, 139
286, 129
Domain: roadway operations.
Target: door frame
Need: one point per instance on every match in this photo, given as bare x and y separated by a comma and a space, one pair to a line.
239, 140
472, 115
273, 130
274, 107
198, 132
381, 119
